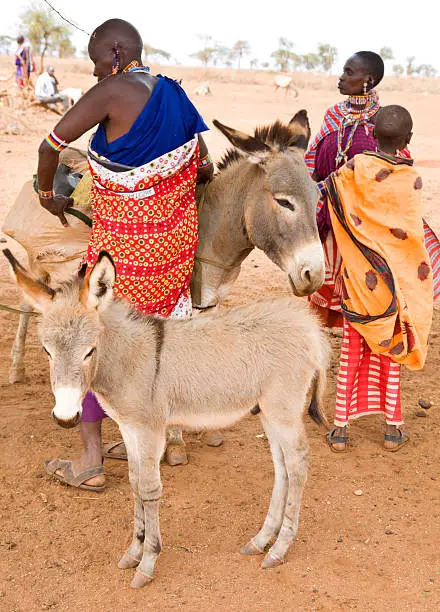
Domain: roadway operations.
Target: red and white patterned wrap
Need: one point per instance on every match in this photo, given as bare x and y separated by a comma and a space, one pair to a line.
146, 219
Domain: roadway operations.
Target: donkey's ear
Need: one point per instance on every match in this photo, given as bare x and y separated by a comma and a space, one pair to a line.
300, 126
38, 293
97, 289
254, 149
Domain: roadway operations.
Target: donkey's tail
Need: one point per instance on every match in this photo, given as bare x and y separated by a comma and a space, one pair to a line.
316, 408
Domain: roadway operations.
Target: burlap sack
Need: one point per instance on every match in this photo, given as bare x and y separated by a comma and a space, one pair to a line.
52, 249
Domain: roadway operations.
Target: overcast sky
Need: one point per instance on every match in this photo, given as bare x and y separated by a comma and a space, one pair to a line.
409, 28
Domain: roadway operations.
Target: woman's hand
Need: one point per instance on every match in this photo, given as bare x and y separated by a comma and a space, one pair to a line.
57, 206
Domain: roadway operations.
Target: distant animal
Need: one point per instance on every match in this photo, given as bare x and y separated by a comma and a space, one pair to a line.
284, 81
73, 93
203, 90
206, 372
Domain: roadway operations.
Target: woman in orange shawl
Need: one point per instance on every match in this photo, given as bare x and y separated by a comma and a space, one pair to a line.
387, 289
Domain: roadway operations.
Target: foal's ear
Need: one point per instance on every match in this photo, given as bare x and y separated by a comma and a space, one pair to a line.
300, 126
38, 293
254, 149
97, 289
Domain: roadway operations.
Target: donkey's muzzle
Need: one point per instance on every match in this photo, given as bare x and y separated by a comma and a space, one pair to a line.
68, 409
67, 423
306, 275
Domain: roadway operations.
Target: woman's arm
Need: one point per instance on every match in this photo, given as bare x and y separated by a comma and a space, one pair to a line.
91, 109
205, 170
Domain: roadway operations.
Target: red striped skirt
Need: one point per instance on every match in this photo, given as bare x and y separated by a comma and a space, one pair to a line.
367, 383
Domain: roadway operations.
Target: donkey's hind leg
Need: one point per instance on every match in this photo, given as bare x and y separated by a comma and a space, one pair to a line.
17, 371
175, 453
274, 518
294, 447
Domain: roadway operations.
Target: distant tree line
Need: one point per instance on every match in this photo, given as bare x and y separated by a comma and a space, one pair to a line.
410, 68
50, 36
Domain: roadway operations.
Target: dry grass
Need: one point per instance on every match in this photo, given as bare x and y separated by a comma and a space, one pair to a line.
302, 80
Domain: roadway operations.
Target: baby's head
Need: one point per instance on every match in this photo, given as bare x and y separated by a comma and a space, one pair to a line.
393, 128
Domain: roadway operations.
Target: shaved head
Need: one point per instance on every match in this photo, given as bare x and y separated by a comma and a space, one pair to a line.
113, 45
393, 126
120, 32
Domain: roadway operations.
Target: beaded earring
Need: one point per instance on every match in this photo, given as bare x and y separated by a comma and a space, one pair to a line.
365, 88
116, 65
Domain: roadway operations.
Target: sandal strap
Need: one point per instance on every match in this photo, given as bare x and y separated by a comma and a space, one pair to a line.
68, 475
337, 439
403, 435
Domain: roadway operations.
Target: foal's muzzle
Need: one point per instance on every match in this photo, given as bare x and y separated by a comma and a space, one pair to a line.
68, 409
67, 423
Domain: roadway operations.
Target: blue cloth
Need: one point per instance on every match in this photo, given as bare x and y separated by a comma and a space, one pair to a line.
167, 121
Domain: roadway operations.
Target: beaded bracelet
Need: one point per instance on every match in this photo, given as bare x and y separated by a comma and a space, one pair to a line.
57, 143
205, 161
46, 195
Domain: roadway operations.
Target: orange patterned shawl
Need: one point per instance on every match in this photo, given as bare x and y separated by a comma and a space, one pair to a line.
376, 215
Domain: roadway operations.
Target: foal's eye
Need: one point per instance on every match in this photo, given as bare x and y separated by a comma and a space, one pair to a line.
90, 353
285, 203
46, 351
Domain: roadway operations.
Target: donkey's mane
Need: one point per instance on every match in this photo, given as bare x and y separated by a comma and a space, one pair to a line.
228, 158
278, 135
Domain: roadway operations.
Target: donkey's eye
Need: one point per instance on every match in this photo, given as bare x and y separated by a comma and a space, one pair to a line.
285, 203
90, 353
46, 351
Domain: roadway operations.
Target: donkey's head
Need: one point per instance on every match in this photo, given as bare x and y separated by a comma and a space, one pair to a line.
280, 208
70, 330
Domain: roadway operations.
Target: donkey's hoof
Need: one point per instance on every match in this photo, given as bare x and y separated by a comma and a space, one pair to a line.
17, 377
128, 562
271, 560
140, 580
214, 438
176, 454
251, 549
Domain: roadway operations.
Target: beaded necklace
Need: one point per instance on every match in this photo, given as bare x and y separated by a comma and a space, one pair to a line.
353, 117
134, 66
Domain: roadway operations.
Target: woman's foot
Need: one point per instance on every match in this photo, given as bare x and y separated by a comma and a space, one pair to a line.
395, 438
73, 474
115, 450
338, 439
85, 472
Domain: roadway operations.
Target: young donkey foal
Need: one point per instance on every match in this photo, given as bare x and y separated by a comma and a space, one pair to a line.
150, 373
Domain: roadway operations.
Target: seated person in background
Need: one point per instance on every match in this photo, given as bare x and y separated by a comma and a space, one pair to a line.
46, 90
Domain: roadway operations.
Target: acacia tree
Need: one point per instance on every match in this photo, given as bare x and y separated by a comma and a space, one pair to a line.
65, 48
222, 55
327, 56
310, 61
5, 44
152, 52
398, 70
282, 57
207, 54
386, 53
240, 48
426, 70
43, 30
410, 67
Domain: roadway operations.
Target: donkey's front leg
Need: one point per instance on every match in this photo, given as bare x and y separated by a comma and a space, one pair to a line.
133, 555
145, 447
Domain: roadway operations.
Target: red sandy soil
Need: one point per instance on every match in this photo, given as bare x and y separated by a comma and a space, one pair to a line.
376, 551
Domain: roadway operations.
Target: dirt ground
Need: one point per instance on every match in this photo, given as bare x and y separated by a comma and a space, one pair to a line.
377, 551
